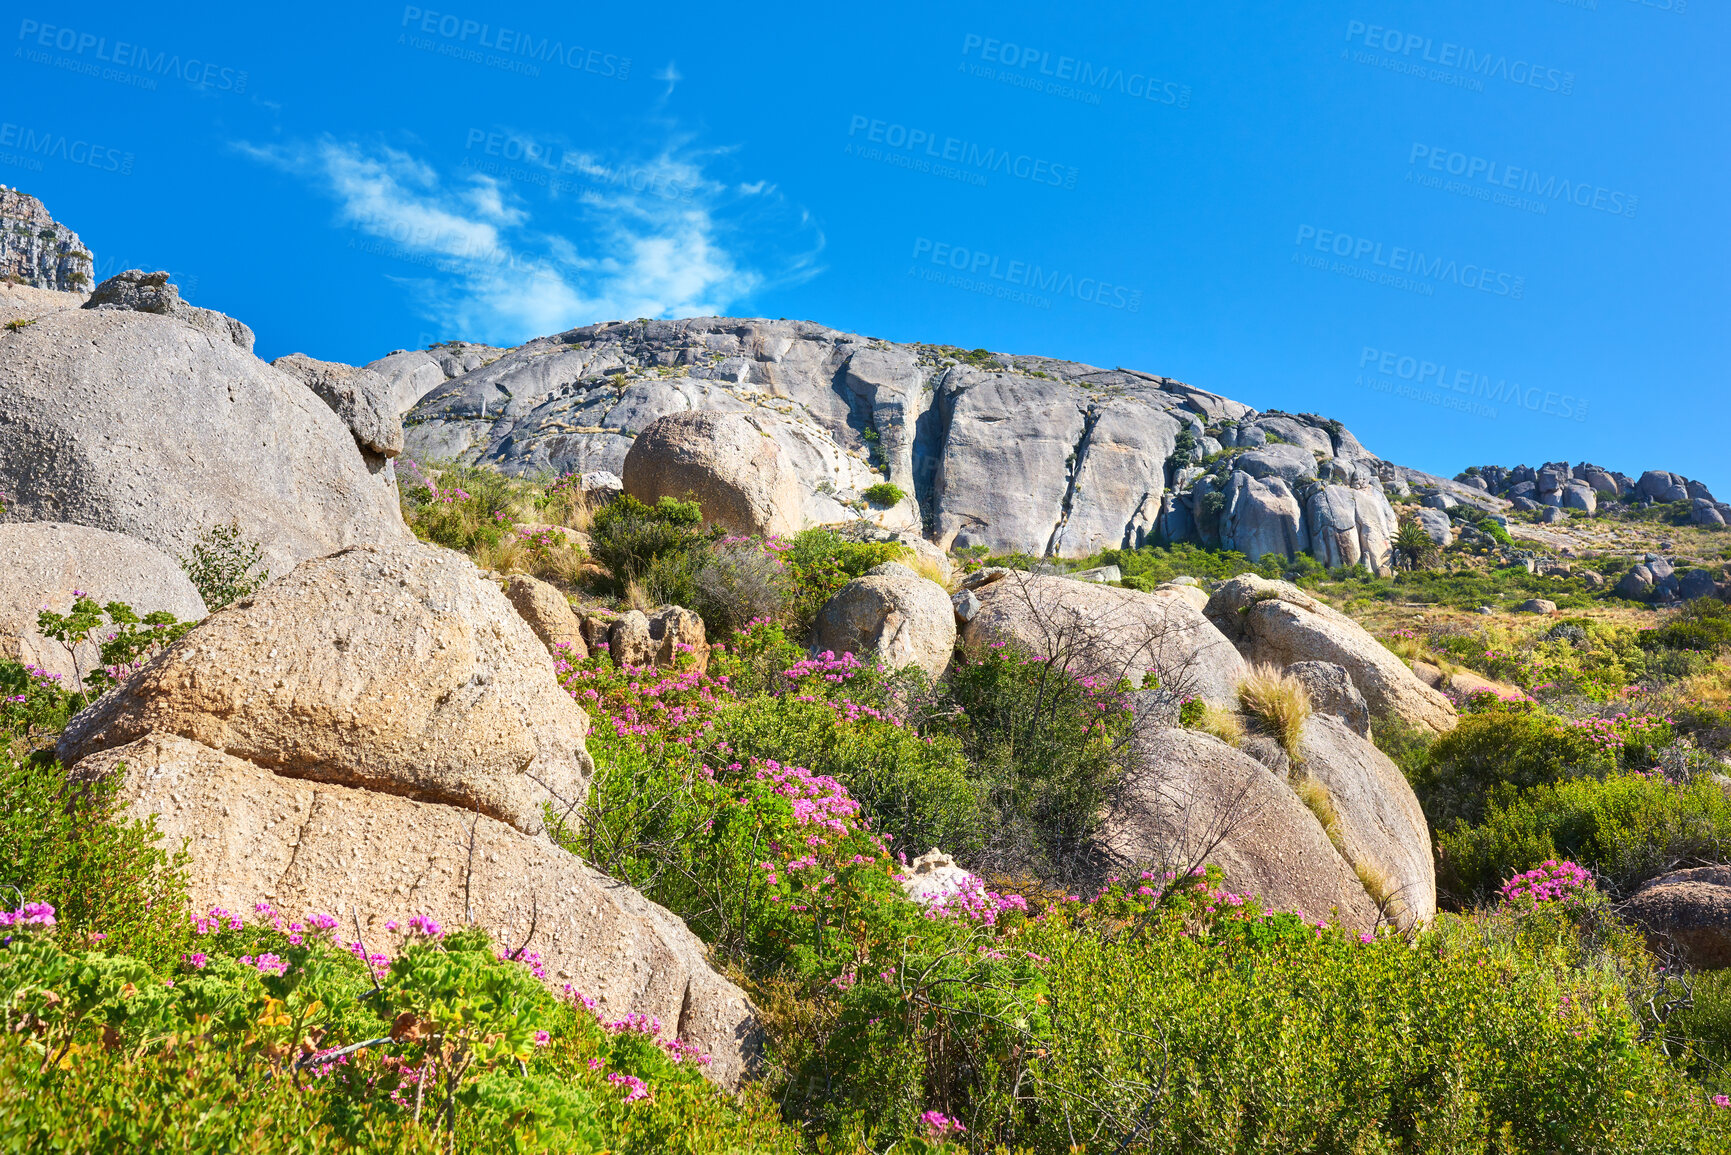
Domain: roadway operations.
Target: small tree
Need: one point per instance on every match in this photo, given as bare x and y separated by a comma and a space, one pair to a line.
225, 565
1413, 545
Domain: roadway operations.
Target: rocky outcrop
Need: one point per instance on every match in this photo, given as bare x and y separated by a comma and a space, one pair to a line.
398, 670
891, 616
410, 375
138, 291
1108, 631
740, 476
1380, 827
1687, 912
549, 614
307, 846
1332, 693
1276, 622
38, 251
141, 424
932, 876
1651, 579
1586, 487
45, 564
1195, 791
360, 397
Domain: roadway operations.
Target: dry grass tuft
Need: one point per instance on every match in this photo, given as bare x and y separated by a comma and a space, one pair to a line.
1279, 703
1222, 724
638, 597
926, 568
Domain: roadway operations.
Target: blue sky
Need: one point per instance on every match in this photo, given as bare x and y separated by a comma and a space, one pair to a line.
1489, 231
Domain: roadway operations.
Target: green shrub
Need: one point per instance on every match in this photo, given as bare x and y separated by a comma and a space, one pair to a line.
884, 493
634, 541
1704, 626
820, 562
1505, 746
124, 641
1627, 828
225, 565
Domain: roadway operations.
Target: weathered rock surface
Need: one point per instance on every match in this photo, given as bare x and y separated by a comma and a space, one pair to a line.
398, 670
741, 476
1276, 622
549, 614
310, 847
140, 424
1381, 826
1688, 911
143, 292
1332, 692
360, 397
674, 633
1196, 789
1435, 524
892, 616
1109, 631
933, 875
628, 641
412, 374
43, 564
39, 252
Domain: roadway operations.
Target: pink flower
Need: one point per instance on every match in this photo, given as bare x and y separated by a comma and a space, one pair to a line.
938, 1124
542, 1038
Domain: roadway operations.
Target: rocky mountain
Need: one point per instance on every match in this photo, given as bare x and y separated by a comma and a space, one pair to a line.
1022, 453
1592, 489
38, 251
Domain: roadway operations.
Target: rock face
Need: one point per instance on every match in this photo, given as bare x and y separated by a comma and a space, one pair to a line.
1435, 524
739, 475
360, 397
43, 563
397, 670
1276, 622
892, 616
547, 612
1653, 578
933, 875
310, 846
1381, 826
141, 424
1689, 911
1109, 631
1195, 790
1332, 692
138, 291
412, 374
38, 251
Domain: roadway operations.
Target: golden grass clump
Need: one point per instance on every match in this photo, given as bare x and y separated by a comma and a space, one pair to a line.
1222, 724
1279, 703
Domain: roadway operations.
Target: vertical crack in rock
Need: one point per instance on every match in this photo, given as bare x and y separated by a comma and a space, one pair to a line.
1078, 456
931, 435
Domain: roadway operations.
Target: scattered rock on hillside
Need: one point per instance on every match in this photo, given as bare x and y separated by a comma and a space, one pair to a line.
44, 564
933, 875
39, 252
1688, 911
1381, 826
1537, 606
1276, 622
1332, 693
397, 670
359, 396
140, 424
308, 847
143, 292
1109, 631
412, 374
675, 633
1435, 524
1196, 790
893, 616
549, 614
738, 474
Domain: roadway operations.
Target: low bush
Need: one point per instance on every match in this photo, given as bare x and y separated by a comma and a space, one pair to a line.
819, 562
1628, 828
1279, 704
884, 493
225, 565
635, 541
1505, 746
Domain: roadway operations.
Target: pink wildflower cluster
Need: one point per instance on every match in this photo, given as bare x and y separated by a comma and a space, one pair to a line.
1612, 734
267, 963
635, 1088
1550, 881
818, 799
973, 902
30, 914
826, 666
645, 703
940, 1126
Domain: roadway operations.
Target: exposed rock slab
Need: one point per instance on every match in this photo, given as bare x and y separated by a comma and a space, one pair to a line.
360, 397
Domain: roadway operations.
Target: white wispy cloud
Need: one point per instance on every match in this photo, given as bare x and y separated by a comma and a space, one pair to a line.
593, 238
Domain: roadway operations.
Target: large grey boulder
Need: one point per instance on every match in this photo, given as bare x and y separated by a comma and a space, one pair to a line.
45, 564
1290, 463
1332, 693
1262, 516
1697, 583
737, 473
1380, 827
1110, 632
1652, 577
1276, 622
892, 616
1661, 485
547, 611
1436, 525
1194, 793
396, 670
143, 292
309, 847
140, 424
1688, 912
1351, 527
1704, 512
1580, 495
1601, 480
360, 397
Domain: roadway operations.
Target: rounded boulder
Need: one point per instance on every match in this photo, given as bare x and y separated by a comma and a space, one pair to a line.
735, 470
892, 615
